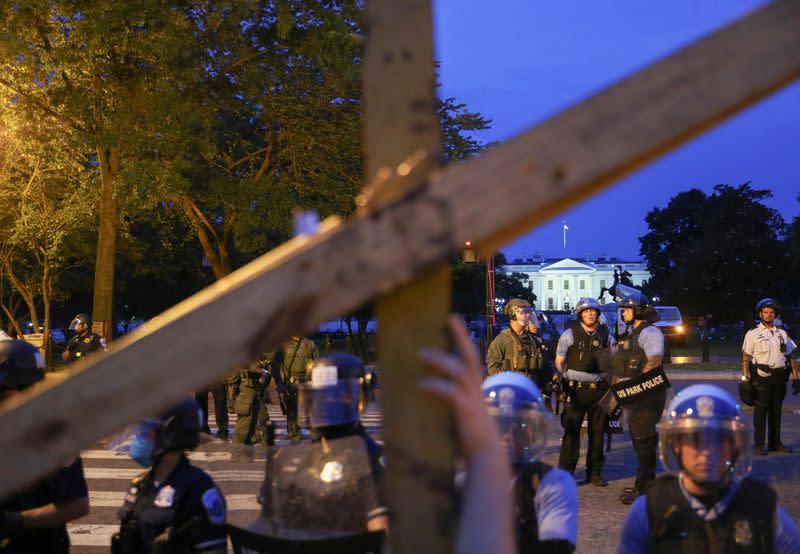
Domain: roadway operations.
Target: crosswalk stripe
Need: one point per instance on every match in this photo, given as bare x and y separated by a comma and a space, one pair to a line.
129, 474
114, 499
90, 534
193, 456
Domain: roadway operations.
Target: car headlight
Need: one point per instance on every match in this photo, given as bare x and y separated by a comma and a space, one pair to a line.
679, 329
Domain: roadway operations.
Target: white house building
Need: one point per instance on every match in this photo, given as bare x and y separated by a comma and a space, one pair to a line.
559, 283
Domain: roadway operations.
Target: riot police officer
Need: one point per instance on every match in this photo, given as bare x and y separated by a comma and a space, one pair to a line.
253, 425
34, 519
546, 497
640, 350
173, 507
517, 349
766, 357
292, 360
577, 361
84, 341
332, 486
707, 504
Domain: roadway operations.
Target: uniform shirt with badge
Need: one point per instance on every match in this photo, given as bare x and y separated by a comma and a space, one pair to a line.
764, 347
80, 345
567, 339
636, 535
188, 502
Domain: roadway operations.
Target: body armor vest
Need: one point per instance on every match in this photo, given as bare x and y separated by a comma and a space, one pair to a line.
526, 354
527, 526
746, 526
630, 358
580, 355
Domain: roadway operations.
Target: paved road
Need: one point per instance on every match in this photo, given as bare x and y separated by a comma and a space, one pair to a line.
239, 472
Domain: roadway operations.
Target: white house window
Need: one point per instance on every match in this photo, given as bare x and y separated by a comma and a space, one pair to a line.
602, 283
566, 305
550, 284
550, 303
566, 285
582, 284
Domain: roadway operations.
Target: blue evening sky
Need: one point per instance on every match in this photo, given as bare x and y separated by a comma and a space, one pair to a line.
520, 61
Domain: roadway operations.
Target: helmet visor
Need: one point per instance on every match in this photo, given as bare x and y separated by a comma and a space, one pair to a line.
523, 432
708, 451
335, 404
120, 442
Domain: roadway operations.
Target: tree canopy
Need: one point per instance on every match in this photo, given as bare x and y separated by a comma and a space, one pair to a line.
715, 254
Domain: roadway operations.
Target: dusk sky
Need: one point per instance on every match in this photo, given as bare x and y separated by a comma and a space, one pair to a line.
519, 62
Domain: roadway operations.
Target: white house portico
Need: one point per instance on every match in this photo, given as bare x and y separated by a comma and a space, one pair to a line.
560, 282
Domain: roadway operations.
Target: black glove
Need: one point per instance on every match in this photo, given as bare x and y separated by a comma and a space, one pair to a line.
795, 387
10, 522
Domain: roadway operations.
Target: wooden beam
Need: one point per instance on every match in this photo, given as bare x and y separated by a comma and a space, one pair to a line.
488, 200
402, 124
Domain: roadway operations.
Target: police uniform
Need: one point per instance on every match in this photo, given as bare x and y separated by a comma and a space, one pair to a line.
523, 353
633, 349
252, 417
293, 359
587, 385
187, 508
79, 346
64, 485
769, 349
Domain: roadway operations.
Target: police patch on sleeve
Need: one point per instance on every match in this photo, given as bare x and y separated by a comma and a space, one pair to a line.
215, 506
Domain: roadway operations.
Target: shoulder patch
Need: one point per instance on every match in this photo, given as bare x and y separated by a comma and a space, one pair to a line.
214, 506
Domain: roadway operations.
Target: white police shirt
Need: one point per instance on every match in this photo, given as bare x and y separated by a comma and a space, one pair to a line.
764, 347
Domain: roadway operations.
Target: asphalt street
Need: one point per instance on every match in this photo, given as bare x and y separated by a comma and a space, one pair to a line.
239, 471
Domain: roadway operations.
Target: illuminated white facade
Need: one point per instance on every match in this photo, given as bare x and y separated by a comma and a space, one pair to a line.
559, 283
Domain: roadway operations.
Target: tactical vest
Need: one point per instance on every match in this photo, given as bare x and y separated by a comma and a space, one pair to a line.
526, 353
527, 526
630, 358
746, 526
580, 355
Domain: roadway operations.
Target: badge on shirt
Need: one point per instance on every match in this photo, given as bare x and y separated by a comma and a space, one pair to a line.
87, 339
742, 533
595, 343
165, 498
215, 506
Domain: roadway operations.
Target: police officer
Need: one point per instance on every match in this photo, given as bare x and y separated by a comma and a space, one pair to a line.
173, 507
253, 425
640, 350
766, 356
576, 360
333, 485
517, 349
34, 519
292, 360
219, 393
84, 341
707, 504
546, 497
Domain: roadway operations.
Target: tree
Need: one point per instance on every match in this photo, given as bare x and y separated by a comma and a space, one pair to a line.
469, 285
714, 254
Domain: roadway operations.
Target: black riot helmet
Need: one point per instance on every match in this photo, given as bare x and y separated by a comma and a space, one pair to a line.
21, 364
767, 303
333, 394
178, 428
80, 319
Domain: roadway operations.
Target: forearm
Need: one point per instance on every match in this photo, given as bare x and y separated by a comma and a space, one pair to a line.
793, 364
52, 515
487, 507
653, 362
746, 365
561, 364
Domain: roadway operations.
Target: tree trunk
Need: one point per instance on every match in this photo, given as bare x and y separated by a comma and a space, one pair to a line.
27, 294
102, 305
47, 294
215, 248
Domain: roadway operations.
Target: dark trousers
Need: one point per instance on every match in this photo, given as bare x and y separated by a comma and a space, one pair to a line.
292, 426
584, 401
219, 392
646, 453
642, 417
770, 393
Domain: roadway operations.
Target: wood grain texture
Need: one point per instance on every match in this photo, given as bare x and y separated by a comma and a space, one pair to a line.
489, 200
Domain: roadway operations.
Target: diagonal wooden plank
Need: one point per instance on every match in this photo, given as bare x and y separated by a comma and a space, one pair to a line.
488, 200
402, 124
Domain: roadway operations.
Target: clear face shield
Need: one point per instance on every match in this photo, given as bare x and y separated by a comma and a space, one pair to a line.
524, 432
327, 405
137, 441
524, 315
75, 324
708, 452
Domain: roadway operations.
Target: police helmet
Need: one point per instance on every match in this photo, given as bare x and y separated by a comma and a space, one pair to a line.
21, 364
586, 304
515, 403
767, 303
630, 297
333, 394
178, 428
705, 416
516, 305
78, 320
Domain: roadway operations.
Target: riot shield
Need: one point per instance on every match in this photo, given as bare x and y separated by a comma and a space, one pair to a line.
313, 494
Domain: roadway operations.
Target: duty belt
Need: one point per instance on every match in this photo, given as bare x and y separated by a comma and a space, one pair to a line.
588, 384
767, 369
